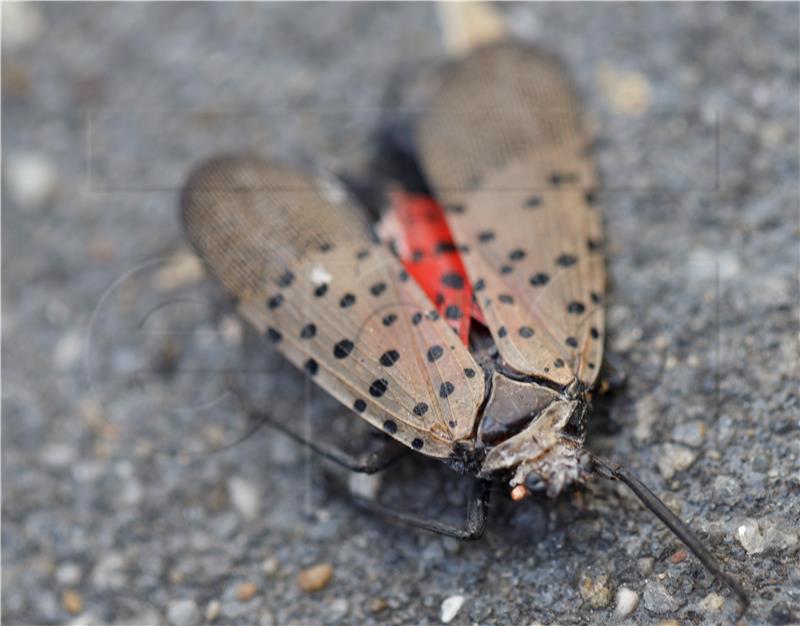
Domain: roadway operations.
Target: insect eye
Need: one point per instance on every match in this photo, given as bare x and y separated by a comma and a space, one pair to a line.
534, 482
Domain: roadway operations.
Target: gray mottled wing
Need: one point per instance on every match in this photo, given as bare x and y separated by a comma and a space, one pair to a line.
306, 272
504, 148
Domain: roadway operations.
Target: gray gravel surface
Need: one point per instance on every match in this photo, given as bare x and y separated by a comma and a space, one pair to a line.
120, 504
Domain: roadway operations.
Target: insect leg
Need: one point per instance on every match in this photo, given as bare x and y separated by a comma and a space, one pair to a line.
612, 471
380, 459
473, 528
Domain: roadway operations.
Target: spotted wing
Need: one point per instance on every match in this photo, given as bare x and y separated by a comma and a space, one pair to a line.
299, 257
504, 148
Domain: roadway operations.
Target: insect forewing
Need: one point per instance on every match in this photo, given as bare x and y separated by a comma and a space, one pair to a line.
301, 261
504, 148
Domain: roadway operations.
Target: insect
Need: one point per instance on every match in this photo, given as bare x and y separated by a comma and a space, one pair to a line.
506, 401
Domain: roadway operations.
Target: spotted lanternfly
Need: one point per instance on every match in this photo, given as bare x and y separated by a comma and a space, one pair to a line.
517, 234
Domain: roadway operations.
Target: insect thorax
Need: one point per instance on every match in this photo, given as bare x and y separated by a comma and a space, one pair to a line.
532, 435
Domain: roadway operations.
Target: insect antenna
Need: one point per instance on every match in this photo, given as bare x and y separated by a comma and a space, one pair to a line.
651, 501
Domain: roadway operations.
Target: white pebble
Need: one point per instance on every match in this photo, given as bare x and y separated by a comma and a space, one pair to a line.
212, 610
68, 350
365, 485
183, 613
31, 178
627, 600
674, 458
23, 24
270, 566
450, 608
245, 497
183, 268
68, 574
712, 603
690, 433
337, 609
749, 535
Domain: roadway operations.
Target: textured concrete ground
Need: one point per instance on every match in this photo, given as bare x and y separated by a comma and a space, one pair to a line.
118, 504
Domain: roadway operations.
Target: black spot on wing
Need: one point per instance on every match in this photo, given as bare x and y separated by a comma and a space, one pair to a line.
435, 353
389, 358
378, 387
539, 279
420, 409
343, 349
311, 367
566, 260
453, 280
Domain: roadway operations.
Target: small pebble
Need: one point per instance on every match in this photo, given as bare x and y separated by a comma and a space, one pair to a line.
31, 179
68, 574
450, 608
337, 610
749, 535
627, 600
184, 268
645, 565
678, 557
315, 578
270, 566
23, 25
376, 605
657, 599
212, 610
596, 590
675, 458
365, 485
183, 613
245, 497
669, 622
68, 350
628, 92
72, 602
780, 539
691, 433
109, 572
246, 591
712, 603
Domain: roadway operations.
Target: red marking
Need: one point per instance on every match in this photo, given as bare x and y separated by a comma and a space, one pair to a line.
426, 247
